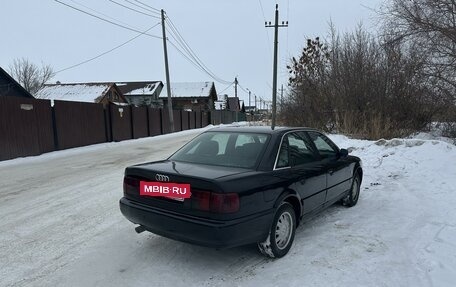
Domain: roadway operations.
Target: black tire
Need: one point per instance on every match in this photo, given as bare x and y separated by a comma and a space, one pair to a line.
282, 233
352, 198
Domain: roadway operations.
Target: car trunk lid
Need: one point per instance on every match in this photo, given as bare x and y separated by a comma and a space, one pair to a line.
207, 199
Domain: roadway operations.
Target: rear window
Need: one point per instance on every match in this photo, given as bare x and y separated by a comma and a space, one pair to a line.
228, 149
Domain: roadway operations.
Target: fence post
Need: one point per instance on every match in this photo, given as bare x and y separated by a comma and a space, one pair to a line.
54, 129
132, 136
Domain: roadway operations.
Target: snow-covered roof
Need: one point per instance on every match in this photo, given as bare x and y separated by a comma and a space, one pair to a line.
189, 90
83, 92
139, 88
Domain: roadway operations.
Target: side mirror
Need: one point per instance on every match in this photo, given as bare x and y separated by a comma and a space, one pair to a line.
343, 152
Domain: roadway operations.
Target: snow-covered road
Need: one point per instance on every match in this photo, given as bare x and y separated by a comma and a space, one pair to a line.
60, 225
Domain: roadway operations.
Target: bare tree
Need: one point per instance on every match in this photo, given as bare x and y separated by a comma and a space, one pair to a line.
431, 26
29, 75
309, 99
361, 84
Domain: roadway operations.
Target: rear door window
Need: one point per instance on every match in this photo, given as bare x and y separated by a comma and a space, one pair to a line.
295, 150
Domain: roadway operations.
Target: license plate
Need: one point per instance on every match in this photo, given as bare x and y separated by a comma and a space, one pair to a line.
175, 191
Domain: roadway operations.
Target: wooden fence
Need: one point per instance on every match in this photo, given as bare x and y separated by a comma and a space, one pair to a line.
26, 127
32, 127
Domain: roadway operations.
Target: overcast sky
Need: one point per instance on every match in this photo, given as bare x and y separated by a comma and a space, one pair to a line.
227, 35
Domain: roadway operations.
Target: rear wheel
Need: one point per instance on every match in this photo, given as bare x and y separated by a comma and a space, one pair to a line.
281, 235
352, 198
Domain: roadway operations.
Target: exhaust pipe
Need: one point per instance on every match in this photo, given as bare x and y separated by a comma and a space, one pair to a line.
140, 229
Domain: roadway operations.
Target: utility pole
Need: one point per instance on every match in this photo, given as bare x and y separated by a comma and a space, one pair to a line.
168, 83
235, 86
274, 72
235, 95
250, 107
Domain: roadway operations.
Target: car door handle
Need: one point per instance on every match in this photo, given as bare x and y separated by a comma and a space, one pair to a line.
331, 171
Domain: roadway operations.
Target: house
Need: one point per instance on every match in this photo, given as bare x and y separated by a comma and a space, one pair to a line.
103, 93
233, 104
9, 86
142, 93
221, 103
198, 96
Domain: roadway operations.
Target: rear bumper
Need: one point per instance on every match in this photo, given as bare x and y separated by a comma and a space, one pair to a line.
205, 232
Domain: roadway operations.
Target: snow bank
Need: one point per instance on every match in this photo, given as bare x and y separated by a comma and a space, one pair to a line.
410, 188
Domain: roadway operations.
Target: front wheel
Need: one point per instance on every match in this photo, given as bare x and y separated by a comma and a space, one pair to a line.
281, 235
352, 198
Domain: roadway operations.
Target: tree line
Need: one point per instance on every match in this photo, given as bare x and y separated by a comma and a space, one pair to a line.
389, 84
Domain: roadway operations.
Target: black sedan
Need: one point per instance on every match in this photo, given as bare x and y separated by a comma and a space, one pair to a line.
233, 186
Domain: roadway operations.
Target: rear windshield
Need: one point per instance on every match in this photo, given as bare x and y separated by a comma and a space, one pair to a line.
224, 149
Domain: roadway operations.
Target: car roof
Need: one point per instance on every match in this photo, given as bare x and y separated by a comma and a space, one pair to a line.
257, 129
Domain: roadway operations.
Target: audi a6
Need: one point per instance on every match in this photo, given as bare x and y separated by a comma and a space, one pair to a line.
232, 186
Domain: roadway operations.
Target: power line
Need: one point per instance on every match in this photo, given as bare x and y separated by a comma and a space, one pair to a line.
98, 12
193, 63
191, 52
262, 10
158, 10
174, 32
242, 88
105, 20
181, 41
132, 9
288, 17
109, 51
189, 56
247, 91
267, 33
226, 88
185, 56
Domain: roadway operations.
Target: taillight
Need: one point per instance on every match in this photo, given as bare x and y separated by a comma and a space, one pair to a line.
201, 200
130, 185
215, 202
224, 202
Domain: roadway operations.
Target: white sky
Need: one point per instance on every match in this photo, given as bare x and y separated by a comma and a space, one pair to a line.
228, 36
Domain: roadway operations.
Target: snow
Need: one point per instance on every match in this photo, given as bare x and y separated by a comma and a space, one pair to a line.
74, 92
188, 90
147, 89
61, 224
436, 132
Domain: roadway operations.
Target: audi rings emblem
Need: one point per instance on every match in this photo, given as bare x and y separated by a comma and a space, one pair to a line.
161, 177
